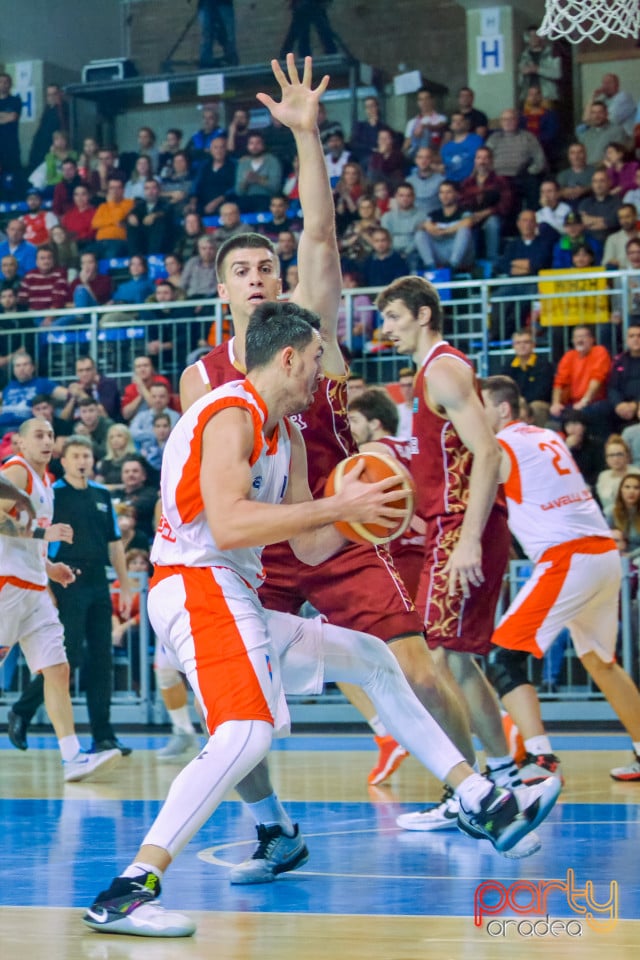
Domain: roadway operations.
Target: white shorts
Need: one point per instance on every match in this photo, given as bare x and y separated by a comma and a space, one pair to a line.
233, 652
575, 585
29, 617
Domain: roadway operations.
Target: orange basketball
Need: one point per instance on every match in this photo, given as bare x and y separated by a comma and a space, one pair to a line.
378, 466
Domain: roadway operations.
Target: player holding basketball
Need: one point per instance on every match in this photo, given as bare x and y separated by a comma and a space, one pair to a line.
575, 582
359, 587
27, 613
236, 478
455, 463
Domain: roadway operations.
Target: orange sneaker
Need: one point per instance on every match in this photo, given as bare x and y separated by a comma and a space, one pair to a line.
514, 739
390, 757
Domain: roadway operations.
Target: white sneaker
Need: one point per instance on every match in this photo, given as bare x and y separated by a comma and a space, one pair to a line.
276, 853
179, 744
526, 847
443, 816
131, 907
629, 773
84, 765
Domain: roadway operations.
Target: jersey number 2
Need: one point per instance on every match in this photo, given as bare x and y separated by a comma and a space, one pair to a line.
559, 457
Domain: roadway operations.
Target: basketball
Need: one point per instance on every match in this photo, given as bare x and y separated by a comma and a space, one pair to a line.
378, 466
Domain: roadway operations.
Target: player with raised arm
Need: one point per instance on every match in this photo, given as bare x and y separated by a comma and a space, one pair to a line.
236, 478
27, 612
575, 582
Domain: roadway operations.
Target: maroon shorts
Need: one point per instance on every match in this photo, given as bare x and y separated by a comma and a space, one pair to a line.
358, 588
409, 560
465, 625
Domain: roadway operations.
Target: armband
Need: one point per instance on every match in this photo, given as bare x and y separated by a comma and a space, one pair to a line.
38, 533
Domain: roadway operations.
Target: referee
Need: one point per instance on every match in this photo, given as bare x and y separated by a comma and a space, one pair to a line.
85, 605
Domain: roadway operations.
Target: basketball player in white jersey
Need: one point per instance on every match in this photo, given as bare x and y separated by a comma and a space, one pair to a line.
575, 582
236, 479
27, 613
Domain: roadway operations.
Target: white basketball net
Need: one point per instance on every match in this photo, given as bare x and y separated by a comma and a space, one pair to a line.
595, 20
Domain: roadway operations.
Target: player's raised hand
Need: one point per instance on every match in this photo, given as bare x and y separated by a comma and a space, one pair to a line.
298, 108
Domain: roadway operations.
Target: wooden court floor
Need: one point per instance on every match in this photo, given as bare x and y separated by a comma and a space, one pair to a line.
368, 892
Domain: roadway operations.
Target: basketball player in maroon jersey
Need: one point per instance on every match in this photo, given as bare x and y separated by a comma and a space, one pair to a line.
359, 587
455, 461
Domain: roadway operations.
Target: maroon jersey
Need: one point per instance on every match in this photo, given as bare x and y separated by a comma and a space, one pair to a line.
440, 462
408, 550
324, 426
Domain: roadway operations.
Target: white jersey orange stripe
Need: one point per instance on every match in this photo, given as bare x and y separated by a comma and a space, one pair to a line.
184, 537
548, 499
22, 559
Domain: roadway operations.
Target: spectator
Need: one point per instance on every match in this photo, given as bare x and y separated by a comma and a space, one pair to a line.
63, 191
518, 156
45, 288
173, 268
136, 394
9, 279
10, 334
624, 516
355, 244
402, 222
599, 132
539, 67
459, 151
258, 177
150, 223
542, 122
90, 288
119, 445
383, 265
573, 237
78, 221
587, 450
599, 212
59, 151
336, 156
187, 242
489, 200
477, 120
106, 169
280, 219
15, 245
364, 135
633, 256
350, 186
55, 116
141, 425
633, 196
153, 450
618, 459
425, 178
90, 383
139, 287
19, 392
553, 211
426, 128
238, 133
132, 538
621, 107
575, 180
169, 339
88, 159
37, 222
230, 223
622, 172
171, 146
445, 239
139, 492
387, 162
216, 178
581, 379
177, 187
217, 25
199, 144
128, 162
287, 250
109, 221
199, 275
143, 171
615, 248
42, 406
10, 110
523, 257
65, 251
304, 15
532, 374
92, 424
623, 388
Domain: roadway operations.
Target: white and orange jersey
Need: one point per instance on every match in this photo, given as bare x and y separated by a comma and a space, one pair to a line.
184, 537
22, 558
548, 499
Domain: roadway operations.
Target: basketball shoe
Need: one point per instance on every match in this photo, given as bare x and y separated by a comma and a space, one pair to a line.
84, 765
179, 744
629, 773
505, 817
131, 906
389, 759
276, 853
440, 816
535, 769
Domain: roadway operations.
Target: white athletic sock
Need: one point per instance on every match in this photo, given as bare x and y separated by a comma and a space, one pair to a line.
270, 812
181, 720
229, 756
473, 790
359, 658
378, 726
69, 747
138, 869
538, 745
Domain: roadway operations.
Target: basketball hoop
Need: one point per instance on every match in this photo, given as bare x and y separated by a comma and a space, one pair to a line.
595, 20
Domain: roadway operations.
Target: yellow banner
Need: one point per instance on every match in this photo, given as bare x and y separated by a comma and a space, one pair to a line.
568, 310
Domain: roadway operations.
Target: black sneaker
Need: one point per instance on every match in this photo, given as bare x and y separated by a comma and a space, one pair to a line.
110, 744
132, 907
17, 730
505, 818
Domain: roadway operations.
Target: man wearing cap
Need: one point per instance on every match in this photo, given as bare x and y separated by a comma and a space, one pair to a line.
37, 222
575, 235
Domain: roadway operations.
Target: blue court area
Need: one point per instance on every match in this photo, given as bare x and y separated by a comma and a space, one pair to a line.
360, 862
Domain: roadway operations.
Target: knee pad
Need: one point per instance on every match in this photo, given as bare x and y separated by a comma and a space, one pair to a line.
507, 669
167, 677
